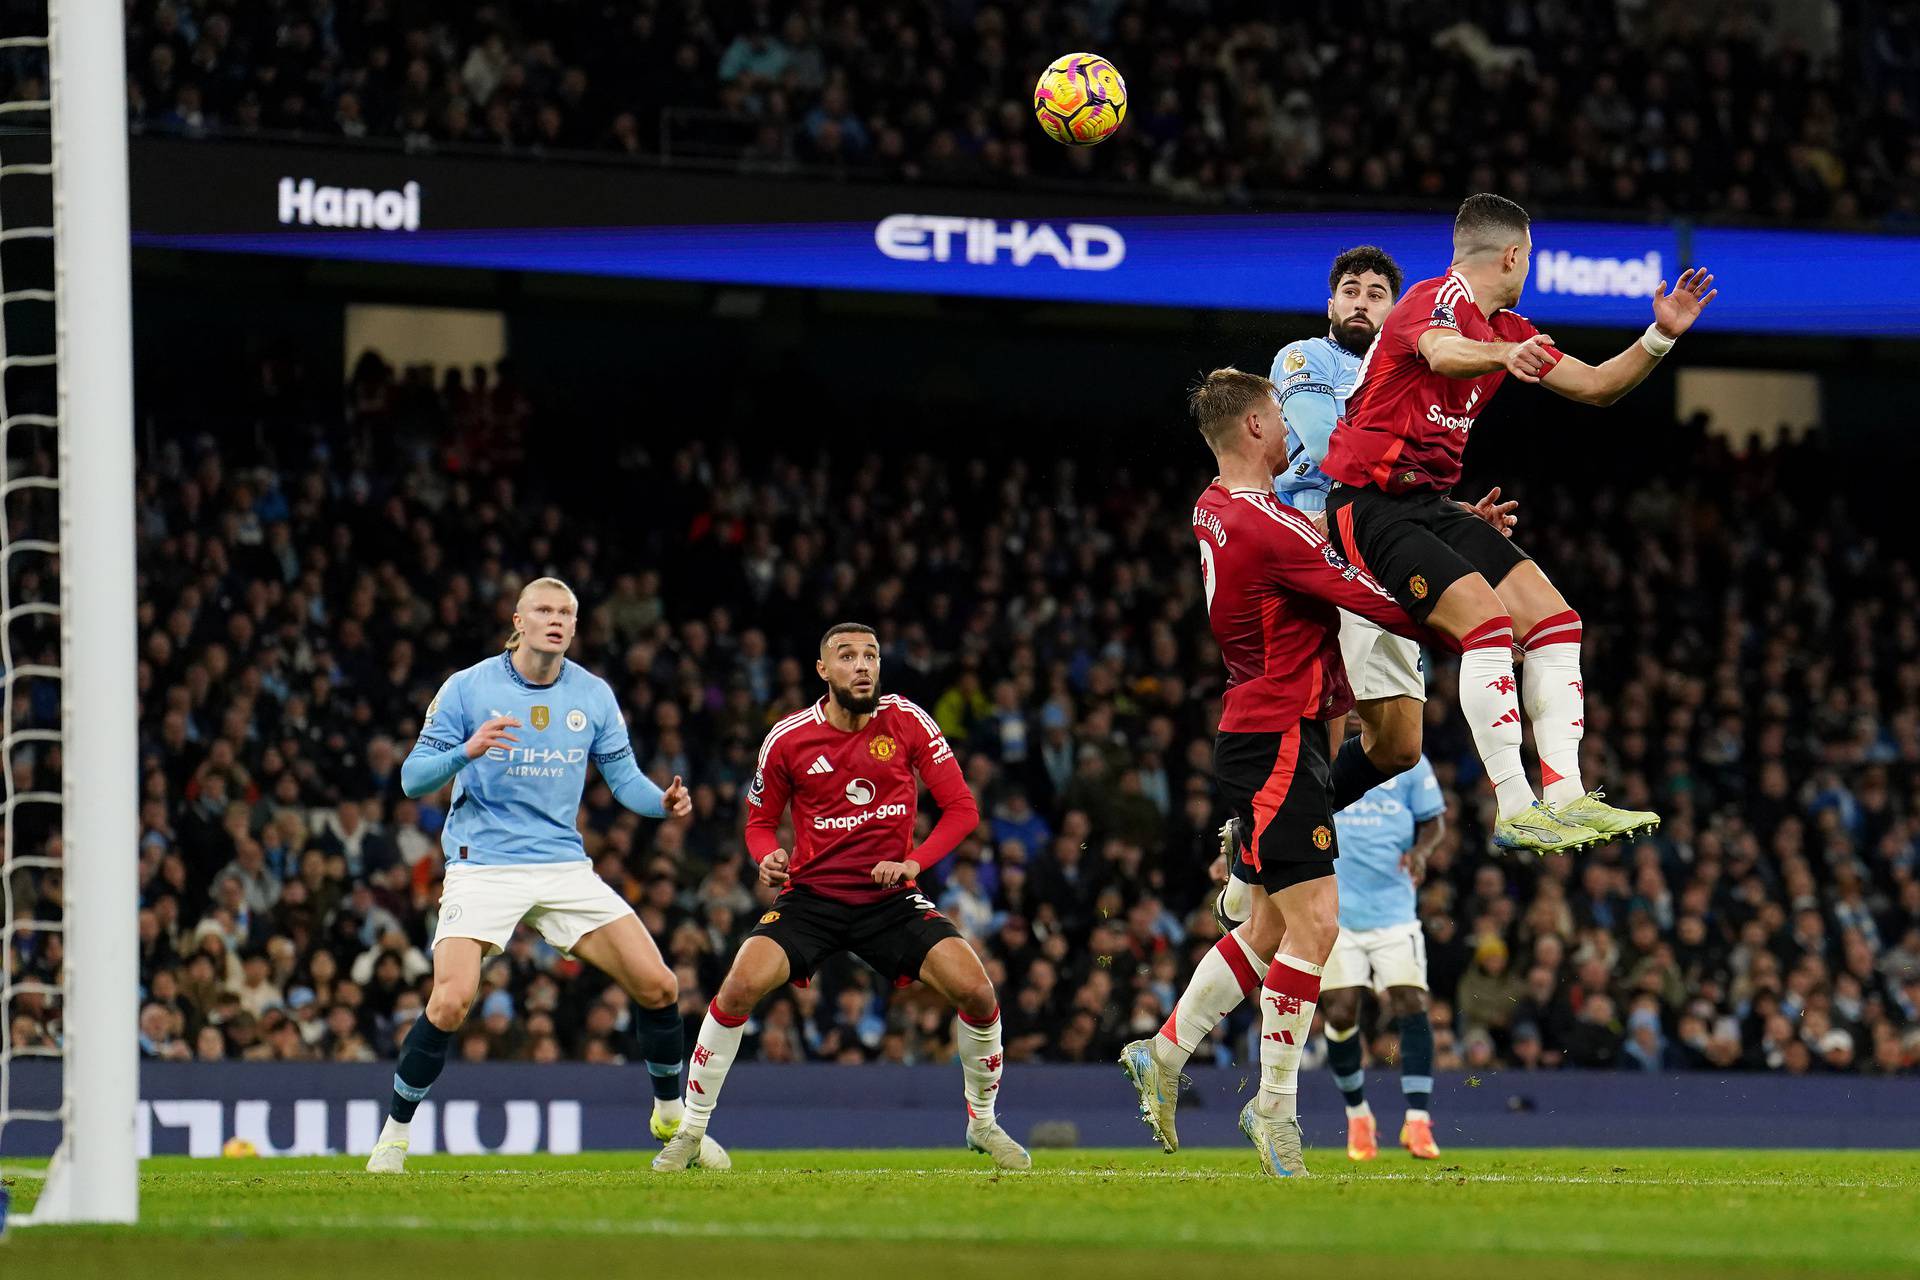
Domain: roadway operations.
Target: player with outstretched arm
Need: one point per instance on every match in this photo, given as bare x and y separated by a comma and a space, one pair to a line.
846, 764
1314, 377
1437, 363
514, 734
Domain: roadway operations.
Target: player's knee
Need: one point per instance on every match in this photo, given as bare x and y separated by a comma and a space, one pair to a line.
1395, 752
1340, 1009
657, 989
449, 1001
739, 994
975, 997
1406, 1000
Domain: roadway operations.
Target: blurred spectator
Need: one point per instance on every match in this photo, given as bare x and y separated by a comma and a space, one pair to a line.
1774, 115
1753, 677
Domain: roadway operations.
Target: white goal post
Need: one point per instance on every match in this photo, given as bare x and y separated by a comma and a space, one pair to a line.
94, 1175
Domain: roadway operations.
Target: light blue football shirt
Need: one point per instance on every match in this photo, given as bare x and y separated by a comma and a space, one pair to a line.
1375, 831
1313, 378
517, 804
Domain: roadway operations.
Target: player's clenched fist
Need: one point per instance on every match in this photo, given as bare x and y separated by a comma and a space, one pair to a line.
1530, 360
490, 735
773, 869
889, 874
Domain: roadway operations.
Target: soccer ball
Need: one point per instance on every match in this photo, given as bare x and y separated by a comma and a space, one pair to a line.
1080, 99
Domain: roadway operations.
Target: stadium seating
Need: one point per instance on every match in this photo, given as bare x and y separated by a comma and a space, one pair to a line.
1752, 670
1719, 110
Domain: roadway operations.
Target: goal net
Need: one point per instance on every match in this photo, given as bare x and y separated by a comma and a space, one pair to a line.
69, 1057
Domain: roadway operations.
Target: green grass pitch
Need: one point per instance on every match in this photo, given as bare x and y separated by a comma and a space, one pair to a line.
918, 1215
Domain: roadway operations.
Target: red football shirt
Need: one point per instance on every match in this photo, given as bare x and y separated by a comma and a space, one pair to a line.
1406, 426
854, 797
1272, 586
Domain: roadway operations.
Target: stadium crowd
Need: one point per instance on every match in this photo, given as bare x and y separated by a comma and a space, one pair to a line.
1804, 109
1752, 673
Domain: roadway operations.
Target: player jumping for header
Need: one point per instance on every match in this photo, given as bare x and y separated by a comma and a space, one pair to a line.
847, 764
1314, 377
1274, 589
1440, 357
513, 851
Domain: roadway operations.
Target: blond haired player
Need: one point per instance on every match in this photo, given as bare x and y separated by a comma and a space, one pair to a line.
514, 734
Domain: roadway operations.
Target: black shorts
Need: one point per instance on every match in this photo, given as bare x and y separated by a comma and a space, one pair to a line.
1417, 544
1280, 787
893, 935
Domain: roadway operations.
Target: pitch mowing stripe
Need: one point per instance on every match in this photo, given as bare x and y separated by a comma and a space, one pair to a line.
1343, 1173
1213, 1239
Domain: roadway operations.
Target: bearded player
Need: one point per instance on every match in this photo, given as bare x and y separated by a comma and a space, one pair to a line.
1438, 361
847, 764
514, 734
1314, 377
1275, 588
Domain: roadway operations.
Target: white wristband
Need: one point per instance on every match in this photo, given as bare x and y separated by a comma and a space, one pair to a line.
1656, 342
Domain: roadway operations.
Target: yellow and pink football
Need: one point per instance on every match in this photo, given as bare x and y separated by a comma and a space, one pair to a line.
1080, 99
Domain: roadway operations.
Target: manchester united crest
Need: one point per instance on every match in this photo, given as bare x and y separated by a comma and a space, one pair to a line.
540, 718
882, 747
1322, 837
1418, 585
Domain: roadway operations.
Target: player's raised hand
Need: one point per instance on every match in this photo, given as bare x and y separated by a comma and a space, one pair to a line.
490, 735
1530, 360
678, 799
773, 869
889, 874
1675, 312
1495, 512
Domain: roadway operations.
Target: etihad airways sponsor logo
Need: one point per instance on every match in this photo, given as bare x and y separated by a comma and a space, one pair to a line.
981, 242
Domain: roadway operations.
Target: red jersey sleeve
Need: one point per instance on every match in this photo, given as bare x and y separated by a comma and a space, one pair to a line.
932, 757
1306, 562
1501, 326
767, 800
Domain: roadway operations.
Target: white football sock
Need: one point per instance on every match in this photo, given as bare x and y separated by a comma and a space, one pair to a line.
713, 1054
1236, 898
1287, 1000
1556, 704
1489, 700
980, 1061
1225, 976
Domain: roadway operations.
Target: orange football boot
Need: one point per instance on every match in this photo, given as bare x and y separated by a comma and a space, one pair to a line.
1417, 1137
1363, 1140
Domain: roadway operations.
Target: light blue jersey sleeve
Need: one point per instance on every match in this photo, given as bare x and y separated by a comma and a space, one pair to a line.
440, 751
613, 756
1425, 799
1307, 377
1306, 374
